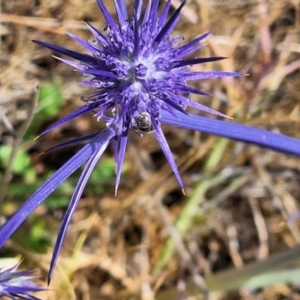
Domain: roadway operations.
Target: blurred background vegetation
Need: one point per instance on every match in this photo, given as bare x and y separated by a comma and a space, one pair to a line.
228, 238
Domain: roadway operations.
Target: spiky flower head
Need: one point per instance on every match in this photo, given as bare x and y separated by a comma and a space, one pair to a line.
137, 70
18, 284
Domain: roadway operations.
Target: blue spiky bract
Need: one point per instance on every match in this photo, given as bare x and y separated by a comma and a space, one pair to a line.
18, 284
136, 66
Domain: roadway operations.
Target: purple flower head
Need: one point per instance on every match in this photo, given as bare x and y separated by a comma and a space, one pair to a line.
137, 70
139, 75
18, 285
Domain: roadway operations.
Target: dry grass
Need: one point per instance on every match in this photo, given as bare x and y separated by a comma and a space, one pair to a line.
114, 248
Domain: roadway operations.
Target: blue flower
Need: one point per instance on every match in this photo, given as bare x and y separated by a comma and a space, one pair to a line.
140, 77
137, 72
18, 285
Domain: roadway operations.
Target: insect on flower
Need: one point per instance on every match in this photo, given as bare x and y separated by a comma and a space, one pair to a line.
133, 67
143, 122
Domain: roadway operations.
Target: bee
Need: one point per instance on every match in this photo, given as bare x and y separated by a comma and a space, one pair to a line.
143, 122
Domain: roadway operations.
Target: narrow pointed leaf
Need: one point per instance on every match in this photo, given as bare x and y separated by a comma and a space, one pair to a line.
243, 133
51, 184
166, 149
98, 150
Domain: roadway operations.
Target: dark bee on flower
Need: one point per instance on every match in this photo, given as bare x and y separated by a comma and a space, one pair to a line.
143, 122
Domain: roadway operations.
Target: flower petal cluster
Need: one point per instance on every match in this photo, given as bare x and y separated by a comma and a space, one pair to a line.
139, 74
18, 284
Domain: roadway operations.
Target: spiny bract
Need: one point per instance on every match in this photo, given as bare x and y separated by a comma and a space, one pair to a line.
136, 67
